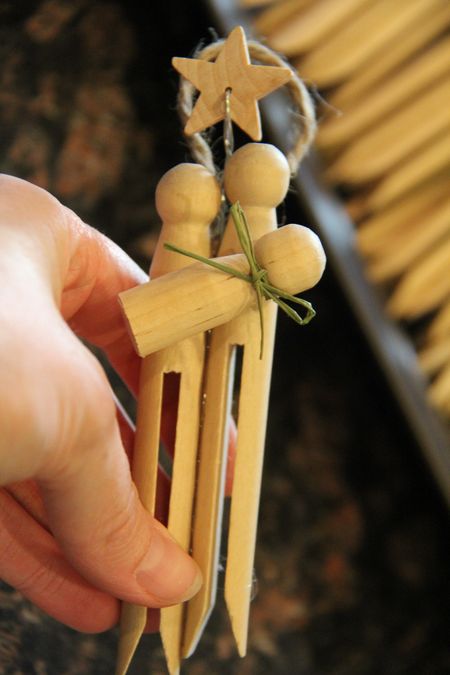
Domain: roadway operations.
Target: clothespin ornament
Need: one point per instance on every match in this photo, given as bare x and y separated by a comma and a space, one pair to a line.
189, 294
187, 199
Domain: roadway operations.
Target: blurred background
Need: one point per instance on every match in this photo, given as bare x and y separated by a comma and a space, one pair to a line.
353, 550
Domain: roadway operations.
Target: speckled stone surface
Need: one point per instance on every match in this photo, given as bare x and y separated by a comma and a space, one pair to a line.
353, 557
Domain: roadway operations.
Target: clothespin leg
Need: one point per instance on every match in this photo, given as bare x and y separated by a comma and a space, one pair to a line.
251, 428
210, 488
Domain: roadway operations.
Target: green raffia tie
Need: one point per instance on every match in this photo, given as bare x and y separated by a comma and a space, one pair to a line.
258, 276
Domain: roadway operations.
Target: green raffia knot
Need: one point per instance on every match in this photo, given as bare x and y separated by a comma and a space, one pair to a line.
258, 276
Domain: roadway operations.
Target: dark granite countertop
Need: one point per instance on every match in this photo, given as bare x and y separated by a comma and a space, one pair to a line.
353, 556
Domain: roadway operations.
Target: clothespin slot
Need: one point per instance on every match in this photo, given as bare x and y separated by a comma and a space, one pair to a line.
228, 137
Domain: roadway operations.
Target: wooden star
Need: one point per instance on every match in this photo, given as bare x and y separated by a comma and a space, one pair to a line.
231, 70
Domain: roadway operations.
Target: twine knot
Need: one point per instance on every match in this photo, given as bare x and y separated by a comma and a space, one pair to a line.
258, 277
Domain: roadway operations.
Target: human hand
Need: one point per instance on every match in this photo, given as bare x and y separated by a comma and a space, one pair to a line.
74, 536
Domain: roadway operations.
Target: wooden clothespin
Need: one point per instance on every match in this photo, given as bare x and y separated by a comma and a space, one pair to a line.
203, 298
168, 318
258, 176
187, 199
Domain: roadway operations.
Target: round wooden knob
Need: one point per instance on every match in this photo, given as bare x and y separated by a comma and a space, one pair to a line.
188, 193
198, 297
257, 174
293, 257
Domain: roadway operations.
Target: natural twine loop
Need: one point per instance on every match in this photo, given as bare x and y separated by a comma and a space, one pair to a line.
304, 127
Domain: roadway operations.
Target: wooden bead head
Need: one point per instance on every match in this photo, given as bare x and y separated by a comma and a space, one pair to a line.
257, 174
188, 193
293, 257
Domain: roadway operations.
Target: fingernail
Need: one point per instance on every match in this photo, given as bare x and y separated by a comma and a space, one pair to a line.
167, 572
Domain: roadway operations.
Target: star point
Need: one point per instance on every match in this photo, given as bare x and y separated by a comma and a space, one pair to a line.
232, 70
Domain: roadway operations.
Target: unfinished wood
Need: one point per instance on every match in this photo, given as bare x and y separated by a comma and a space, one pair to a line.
435, 356
408, 245
359, 39
254, 387
258, 3
231, 70
423, 288
374, 232
144, 471
210, 489
165, 310
187, 358
259, 176
273, 17
440, 325
253, 406
439, 391
187, 199
432, 160
395, 138
383, 64
292, 257
310, 26
375, 106
199, 297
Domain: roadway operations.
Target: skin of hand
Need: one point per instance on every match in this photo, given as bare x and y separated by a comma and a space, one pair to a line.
74, 537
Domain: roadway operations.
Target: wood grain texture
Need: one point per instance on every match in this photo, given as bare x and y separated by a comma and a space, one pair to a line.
231, 70
200, 297
432, 160
383, 65
378, 105
187, 199
359, 39
306, 29
258, 176
384, 146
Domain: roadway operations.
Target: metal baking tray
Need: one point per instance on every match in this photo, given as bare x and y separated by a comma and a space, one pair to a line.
389, 343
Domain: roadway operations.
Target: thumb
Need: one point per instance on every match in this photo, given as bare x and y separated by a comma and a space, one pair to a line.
57, 412
93, 507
